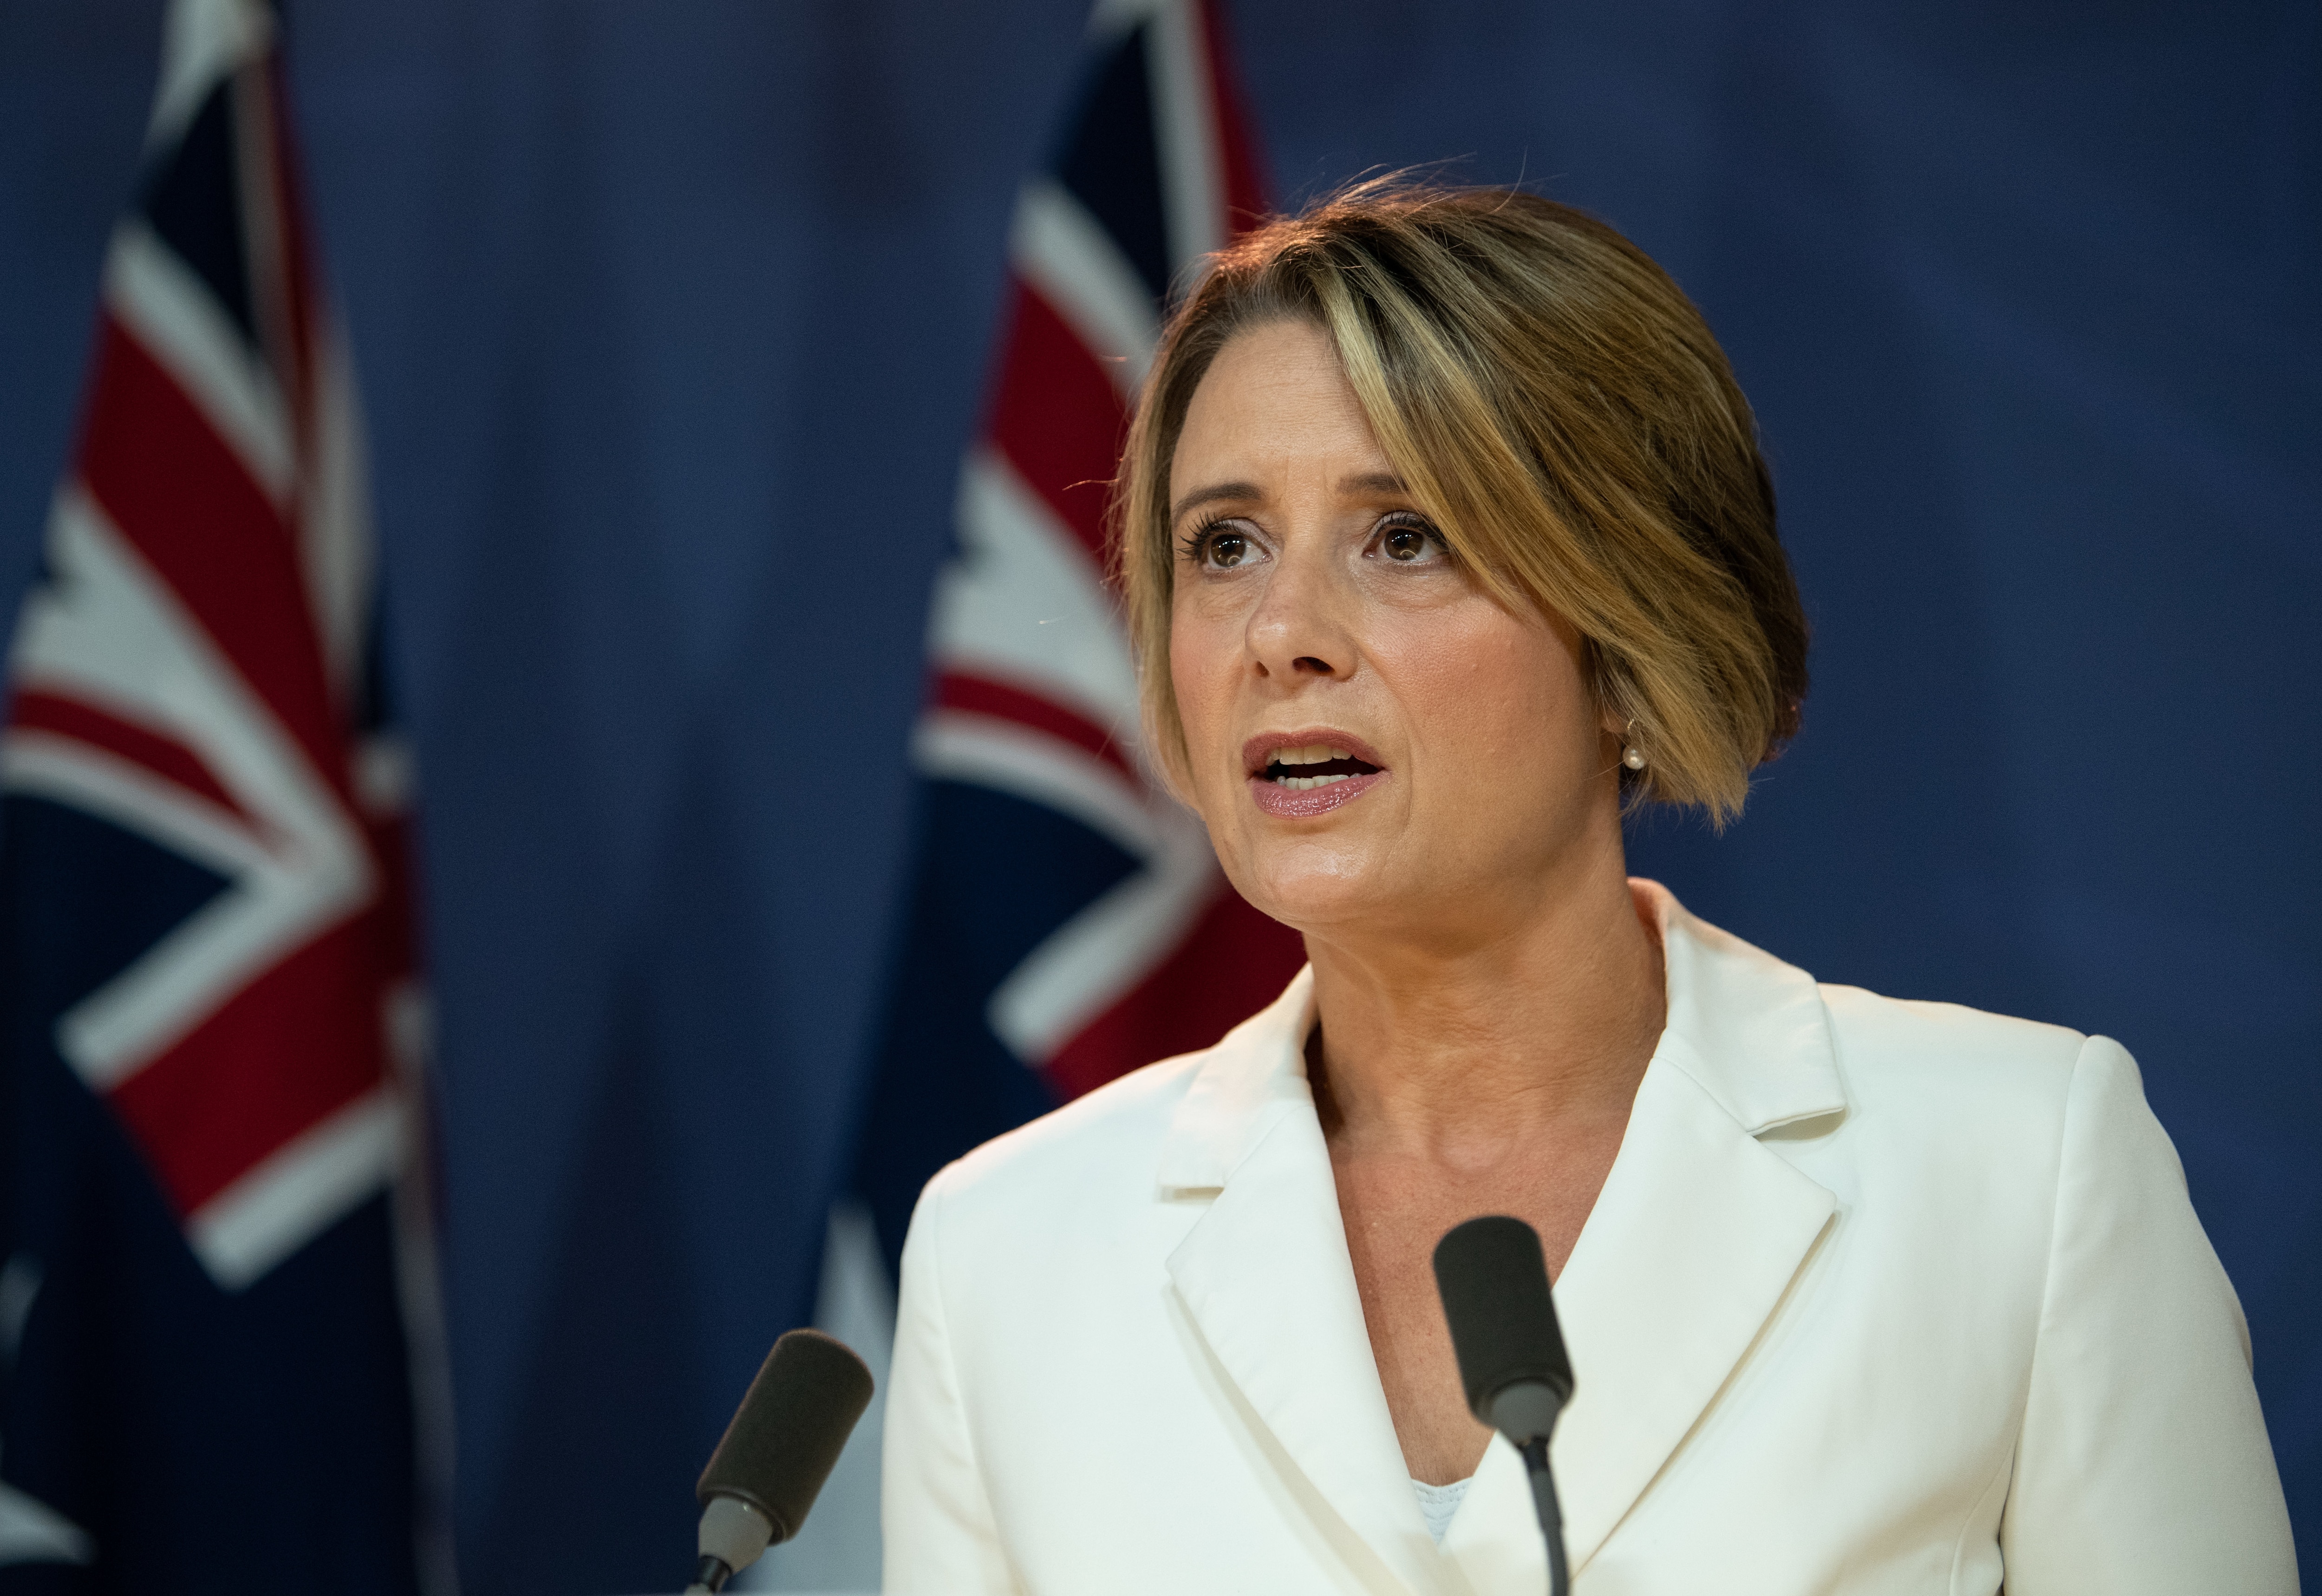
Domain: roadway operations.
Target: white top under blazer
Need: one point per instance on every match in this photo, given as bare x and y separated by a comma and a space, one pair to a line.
1879, 1297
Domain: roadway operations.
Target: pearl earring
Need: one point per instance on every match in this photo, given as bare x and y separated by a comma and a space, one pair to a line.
1632, 756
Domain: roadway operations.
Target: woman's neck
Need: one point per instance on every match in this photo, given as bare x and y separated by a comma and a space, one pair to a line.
1457, 1058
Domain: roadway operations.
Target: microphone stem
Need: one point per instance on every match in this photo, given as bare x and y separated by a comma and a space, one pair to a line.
1551, 1516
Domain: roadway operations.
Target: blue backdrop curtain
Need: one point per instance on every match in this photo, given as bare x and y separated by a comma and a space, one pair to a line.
671, 322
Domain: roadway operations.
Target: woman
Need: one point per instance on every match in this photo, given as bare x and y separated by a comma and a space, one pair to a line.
1445, 537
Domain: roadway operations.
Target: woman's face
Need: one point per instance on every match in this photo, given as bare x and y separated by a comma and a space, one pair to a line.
1376, 745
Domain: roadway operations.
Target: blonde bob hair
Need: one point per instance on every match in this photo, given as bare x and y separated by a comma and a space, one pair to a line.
1561, 410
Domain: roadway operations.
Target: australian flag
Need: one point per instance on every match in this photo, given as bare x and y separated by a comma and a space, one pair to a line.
206, 1004
1068, 922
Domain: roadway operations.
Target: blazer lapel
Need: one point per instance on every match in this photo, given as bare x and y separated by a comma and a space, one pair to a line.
1692, 1244
1694, 1241
1266, 1279
1700, 1228
1697, 1235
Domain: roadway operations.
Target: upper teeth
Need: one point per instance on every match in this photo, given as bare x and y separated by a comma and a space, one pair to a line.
1313, 754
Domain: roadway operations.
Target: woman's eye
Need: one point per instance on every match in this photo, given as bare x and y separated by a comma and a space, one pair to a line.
1410, 543
1222, 546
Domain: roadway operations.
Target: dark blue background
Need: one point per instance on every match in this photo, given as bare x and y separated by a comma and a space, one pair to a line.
672, 321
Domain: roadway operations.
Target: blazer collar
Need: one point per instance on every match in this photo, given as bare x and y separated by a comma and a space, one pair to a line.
1691, 1246
1265, 1280
1251, 1077
1756, 1035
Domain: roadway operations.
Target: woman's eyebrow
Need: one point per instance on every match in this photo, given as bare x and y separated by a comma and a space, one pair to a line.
1212, 495
1367, 483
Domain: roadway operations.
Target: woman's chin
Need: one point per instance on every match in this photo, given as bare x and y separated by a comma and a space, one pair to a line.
1315, 887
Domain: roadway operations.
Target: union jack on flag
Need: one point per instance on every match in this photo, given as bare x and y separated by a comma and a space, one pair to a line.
203, 943
1069, 921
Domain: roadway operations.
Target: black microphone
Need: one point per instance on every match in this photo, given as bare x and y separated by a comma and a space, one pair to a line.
1493, 1277
781, 1445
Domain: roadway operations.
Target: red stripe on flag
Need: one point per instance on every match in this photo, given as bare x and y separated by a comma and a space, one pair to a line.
394, 913
1233, 963
296, 266
182, 495
300, 1042
1056, 415
1245, 184
980, 695
164, 756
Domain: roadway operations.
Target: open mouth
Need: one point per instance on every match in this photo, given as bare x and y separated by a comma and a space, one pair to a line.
1301, 770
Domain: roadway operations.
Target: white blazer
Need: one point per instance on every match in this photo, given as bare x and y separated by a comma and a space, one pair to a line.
1879, 1297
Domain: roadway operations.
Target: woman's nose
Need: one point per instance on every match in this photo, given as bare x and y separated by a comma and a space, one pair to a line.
1297, 630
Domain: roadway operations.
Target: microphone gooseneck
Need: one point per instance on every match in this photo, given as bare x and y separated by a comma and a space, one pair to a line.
1550, 1515
781, 1445
1493, 1277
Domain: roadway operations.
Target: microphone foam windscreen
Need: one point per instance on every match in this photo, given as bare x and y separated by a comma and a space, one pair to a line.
1493, 1278
786, 1436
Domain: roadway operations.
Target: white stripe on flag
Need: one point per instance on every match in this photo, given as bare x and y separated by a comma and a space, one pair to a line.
1064, 253
307, 1185
1094, 959
173, 315
1184, 112
68, 772
334, 530
1023, 603
108, 632
983, 751
203, 40
31, 1531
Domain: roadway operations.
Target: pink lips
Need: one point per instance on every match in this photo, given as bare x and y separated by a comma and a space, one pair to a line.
1304, 805
1277, 800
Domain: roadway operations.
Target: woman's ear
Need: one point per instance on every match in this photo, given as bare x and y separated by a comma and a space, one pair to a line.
1617, 723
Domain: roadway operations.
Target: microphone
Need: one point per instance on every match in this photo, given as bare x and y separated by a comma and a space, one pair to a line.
1493, 1277
780, 1447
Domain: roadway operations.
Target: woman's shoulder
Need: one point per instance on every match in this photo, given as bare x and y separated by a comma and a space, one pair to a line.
1943, 1072
1780, 1046
1909, 1035
1104, 1152
1104, 1144
1763, 1023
